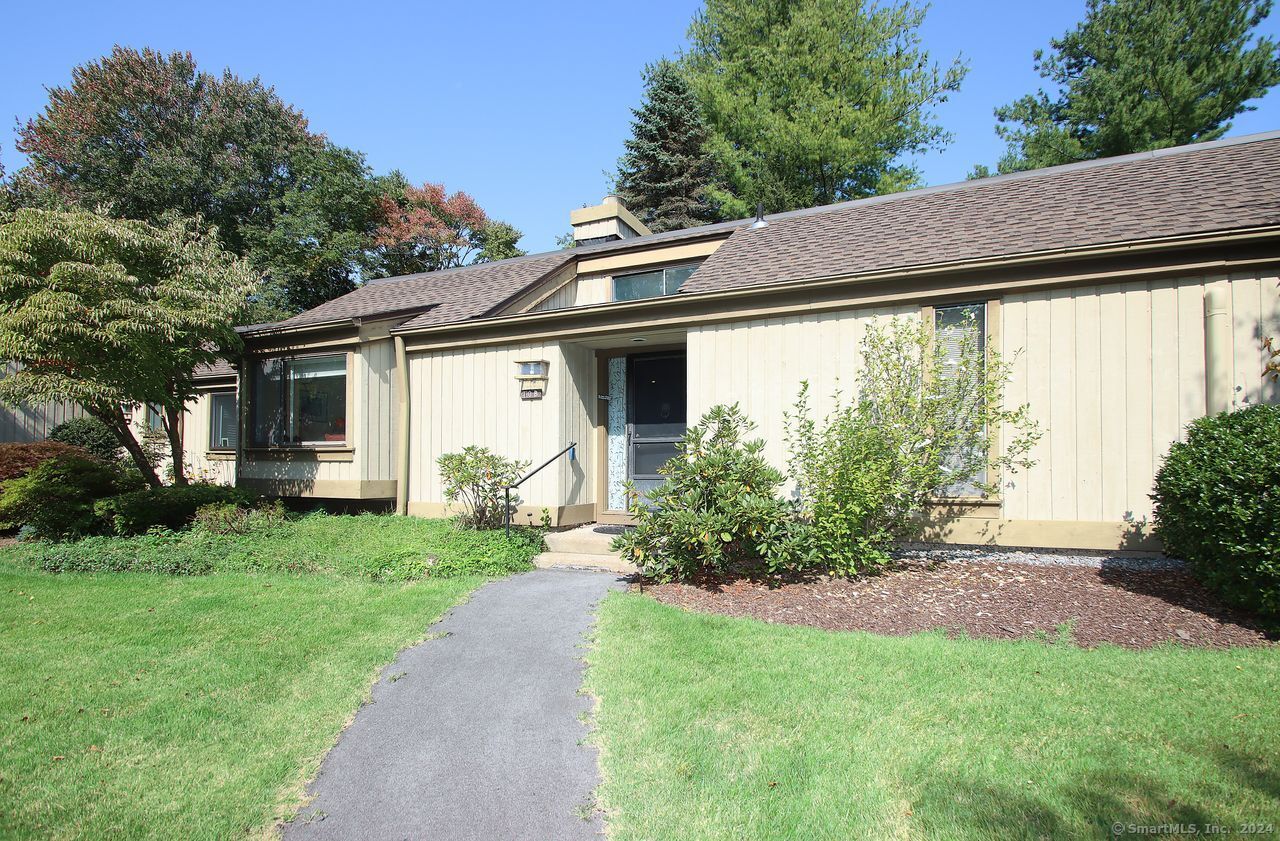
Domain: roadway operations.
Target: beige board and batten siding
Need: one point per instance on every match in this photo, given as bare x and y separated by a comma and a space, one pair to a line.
24, 423
1113, 374
470, 396
362, 469
760, 365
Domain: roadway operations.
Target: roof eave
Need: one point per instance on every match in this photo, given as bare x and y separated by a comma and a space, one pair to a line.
1240, 235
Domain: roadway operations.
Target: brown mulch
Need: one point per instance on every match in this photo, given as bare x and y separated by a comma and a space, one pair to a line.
1126, 607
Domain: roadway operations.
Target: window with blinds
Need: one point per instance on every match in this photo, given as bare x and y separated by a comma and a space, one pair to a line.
956, 328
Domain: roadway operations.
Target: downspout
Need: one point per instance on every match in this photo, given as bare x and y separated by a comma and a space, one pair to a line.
1217, 351
402, 428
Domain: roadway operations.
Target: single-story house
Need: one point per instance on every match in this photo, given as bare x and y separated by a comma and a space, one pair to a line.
1134, 293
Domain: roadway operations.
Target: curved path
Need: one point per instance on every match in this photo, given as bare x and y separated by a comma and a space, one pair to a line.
476, 734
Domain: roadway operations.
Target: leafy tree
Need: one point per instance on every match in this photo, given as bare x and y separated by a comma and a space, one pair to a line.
425, 229
316, 241
1136, 75
142, 135
665, 174
814, 101
109, 313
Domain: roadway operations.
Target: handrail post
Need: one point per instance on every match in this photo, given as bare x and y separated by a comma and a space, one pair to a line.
526, 477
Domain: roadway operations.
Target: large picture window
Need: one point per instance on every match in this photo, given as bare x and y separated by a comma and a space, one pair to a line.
632, 287
224, 429
300, 401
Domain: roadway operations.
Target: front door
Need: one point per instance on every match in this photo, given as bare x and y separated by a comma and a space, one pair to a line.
646, 400
656, 401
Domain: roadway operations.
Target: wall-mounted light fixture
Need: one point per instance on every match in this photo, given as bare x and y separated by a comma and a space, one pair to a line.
531, 374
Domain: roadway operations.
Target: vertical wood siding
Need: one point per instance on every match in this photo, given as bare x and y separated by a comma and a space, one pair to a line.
760, 365
1113, 374
470, 396
580, 292
21, 424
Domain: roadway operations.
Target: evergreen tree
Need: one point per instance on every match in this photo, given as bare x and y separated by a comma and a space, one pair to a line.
664, 175
1141, 74
814, 101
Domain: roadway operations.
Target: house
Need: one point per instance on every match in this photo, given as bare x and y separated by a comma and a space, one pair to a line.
1133, 293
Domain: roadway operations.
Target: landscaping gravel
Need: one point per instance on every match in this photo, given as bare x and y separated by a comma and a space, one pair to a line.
938, 553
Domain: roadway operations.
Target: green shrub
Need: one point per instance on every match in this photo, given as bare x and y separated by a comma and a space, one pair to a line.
55, 501
378, 547
231, 518
170, 507
90, 434
716, 506
477, 478
17, 460
916, 431
1217, 504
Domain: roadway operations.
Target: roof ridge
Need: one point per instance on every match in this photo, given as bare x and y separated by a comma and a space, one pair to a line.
1029, 174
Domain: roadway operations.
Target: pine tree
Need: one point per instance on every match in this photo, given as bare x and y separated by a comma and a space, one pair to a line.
664, 175
1136, 75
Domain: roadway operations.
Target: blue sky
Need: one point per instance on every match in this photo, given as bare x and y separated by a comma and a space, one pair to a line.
524, 105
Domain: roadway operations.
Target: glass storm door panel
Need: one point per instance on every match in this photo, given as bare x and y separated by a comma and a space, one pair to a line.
656, 407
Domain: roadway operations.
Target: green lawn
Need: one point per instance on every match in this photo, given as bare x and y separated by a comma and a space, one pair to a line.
712, 727
136, 705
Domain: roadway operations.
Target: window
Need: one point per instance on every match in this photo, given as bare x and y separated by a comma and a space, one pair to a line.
155, 420
632, 287
300, 401
957, 329
224, 431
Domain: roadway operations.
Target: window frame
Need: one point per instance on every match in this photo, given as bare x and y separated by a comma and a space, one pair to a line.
250, 408
991, 338
235, 402
613, 281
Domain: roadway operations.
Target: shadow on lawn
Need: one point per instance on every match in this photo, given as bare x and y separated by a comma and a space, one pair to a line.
955, 806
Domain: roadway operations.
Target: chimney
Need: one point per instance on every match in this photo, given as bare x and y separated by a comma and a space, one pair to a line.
606, 222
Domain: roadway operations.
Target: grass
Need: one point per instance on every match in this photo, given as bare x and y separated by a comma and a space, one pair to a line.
379, 547
712, 727
135, 705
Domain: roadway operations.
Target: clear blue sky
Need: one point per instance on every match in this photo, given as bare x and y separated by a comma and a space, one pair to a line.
524, 105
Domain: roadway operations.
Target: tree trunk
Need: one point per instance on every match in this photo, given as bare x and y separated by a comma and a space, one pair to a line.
173, 429
115, 420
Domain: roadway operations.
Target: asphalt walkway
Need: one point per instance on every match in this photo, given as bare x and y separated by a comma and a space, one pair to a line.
476, 734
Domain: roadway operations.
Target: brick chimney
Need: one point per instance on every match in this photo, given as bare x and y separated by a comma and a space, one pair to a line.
605, 222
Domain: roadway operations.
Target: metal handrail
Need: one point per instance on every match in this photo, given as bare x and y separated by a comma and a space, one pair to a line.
529, 475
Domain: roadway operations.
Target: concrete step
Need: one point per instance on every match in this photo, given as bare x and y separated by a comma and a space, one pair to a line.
610, 562
583, 540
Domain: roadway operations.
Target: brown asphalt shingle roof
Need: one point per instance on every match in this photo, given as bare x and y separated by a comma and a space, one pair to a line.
1227, 184
1209, 187
451, 294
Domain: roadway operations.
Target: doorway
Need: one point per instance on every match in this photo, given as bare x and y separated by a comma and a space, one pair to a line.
646, 418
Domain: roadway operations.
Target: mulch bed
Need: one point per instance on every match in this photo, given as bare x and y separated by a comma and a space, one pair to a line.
1133, 608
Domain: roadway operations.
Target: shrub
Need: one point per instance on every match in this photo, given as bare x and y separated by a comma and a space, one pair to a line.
230, 518
916, 430
477, 478
56, 499
170, 507
90, 434
715, 507
17, 460
1217, 504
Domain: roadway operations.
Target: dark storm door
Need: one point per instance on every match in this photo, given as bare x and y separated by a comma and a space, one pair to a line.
656, 404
